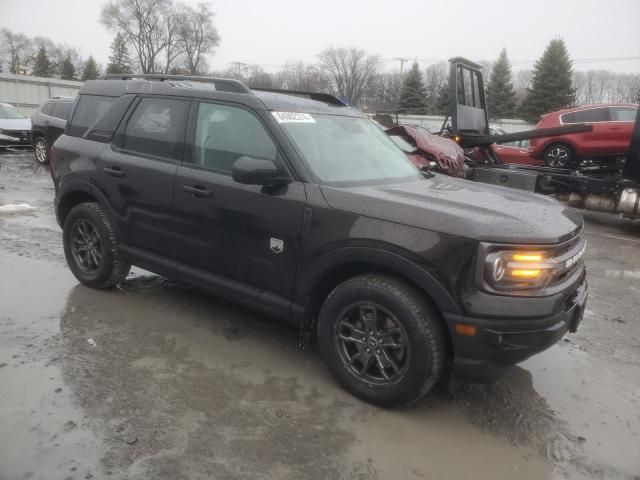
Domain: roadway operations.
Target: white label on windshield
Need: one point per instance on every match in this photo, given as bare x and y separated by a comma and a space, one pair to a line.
293, 117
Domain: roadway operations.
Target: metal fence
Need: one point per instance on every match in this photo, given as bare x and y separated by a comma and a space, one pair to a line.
26, 93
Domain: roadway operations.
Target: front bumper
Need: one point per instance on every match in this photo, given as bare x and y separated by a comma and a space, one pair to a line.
498, 344
15, 138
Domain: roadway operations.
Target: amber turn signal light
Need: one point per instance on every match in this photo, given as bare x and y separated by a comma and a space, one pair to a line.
467, 330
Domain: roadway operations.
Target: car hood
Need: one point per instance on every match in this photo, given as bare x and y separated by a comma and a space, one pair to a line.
446, 152
15, 124
462, 208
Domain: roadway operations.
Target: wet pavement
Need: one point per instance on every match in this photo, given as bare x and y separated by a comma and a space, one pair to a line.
155, 380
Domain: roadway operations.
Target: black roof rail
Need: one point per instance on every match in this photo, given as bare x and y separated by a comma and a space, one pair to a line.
222, 84
320, 97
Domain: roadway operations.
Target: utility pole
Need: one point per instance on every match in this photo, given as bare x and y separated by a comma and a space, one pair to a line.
240, 66
402, 61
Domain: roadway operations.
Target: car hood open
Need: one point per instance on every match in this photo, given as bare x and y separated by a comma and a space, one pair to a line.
462, 208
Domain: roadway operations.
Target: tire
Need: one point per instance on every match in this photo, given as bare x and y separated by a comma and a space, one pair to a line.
412, 355
41, 150
91, 247
558, 155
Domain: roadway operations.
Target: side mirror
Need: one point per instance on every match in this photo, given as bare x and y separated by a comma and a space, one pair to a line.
257, 171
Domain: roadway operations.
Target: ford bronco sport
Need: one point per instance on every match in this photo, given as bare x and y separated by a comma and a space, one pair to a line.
298, 205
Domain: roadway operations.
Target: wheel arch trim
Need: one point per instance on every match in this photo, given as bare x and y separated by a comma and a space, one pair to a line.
71, 189
389, 261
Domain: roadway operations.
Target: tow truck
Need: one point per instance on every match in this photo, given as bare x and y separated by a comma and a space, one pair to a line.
603, 188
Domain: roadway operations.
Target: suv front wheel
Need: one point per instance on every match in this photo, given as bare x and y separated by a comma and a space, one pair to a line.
381, 340
90, 247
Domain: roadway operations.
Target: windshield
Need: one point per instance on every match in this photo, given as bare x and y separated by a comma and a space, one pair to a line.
7, 111
349, 150
402, 144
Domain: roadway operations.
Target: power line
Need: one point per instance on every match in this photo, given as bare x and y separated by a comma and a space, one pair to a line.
516, 63
240, 66
402, 61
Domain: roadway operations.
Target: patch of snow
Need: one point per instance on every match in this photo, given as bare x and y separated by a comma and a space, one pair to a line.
16, 208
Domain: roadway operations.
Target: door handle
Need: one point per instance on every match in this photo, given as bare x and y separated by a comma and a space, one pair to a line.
46, 121
114, 171
615, 127
197, 190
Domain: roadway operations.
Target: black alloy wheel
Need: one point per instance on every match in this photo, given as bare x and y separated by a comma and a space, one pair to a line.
373, 343
87, 247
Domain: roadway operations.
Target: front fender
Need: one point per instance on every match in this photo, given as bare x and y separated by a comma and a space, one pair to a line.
390, 261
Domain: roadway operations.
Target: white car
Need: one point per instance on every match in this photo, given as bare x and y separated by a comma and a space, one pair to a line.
15, 129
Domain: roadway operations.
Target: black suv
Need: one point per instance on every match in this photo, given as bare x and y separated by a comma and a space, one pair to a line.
48, 123
298, 205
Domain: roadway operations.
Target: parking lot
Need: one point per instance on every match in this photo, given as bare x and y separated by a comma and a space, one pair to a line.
157, 380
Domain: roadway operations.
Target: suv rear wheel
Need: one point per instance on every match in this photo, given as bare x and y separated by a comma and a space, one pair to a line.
90, 247
381, 340
41, 150
558, 155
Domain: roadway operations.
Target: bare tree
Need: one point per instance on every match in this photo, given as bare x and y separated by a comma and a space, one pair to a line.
603, 86
171, 18
17, 50
521, 81
348, 70
256, 77
67, 52
197, 35
150, 26
382, 91
300, 76
436, 77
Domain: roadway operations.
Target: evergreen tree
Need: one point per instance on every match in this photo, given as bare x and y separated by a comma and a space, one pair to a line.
413, 94
91, 70
43, 66
443, 103
501, 98
119, 60
67, 70
552, 83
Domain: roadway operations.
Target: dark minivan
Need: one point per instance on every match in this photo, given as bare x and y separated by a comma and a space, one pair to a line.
298, 205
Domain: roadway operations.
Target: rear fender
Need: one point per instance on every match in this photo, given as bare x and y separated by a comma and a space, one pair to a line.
75, 191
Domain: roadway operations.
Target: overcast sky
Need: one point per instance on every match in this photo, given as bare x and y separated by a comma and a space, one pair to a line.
271, 32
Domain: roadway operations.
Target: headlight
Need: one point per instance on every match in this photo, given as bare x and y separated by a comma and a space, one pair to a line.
519, 270
510, 269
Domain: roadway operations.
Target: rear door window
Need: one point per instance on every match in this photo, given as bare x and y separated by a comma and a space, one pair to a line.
587, 116
46, 110
89, 110
156, 128
623, 114
62, 110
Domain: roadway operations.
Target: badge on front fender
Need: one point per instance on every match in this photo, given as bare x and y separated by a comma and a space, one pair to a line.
276, 245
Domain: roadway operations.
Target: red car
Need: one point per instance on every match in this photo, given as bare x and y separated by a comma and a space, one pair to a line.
612, 126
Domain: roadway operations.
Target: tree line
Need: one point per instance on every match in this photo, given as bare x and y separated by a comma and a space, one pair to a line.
41, 57
162, 36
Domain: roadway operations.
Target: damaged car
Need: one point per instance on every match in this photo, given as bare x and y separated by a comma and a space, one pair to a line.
429, 151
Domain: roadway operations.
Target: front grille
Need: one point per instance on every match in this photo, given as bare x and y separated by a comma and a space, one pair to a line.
22, 136
569, 257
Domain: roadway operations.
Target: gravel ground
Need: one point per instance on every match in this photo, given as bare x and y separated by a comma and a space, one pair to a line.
155, 380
